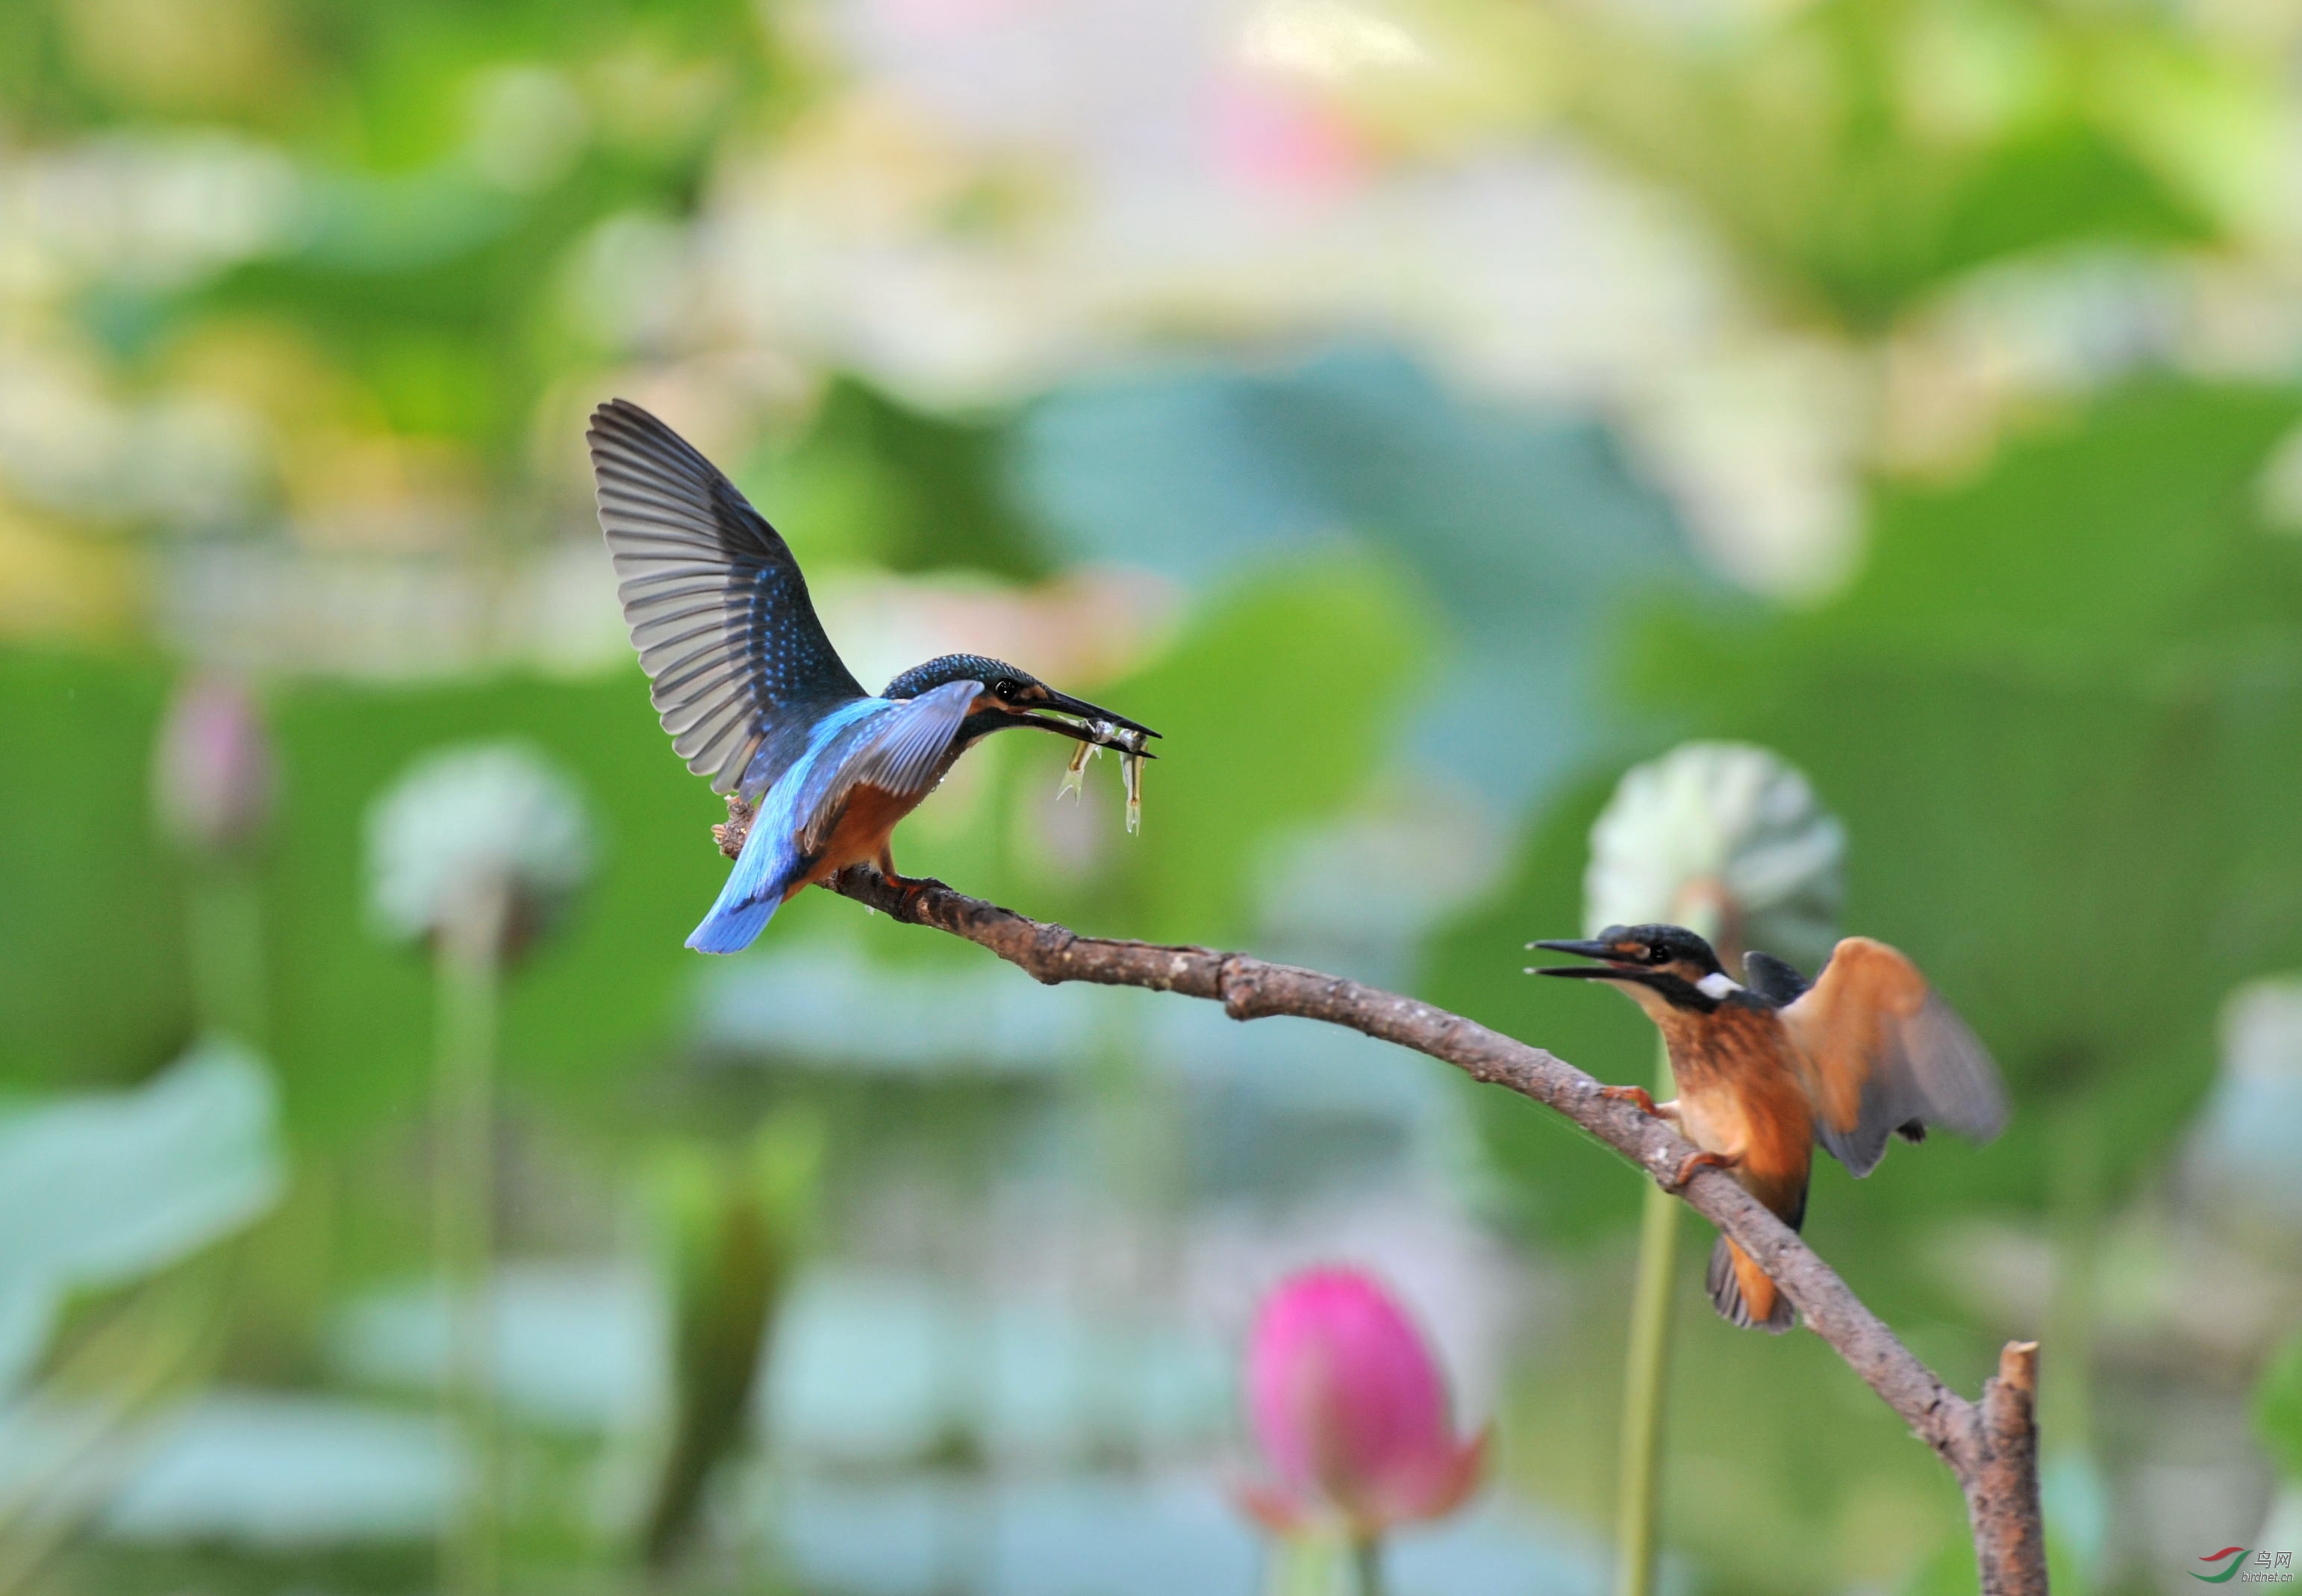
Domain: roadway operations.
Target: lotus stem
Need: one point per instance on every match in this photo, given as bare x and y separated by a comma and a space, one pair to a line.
1367, 1566
469, 953
1703, 909
1646, 1376
224, 926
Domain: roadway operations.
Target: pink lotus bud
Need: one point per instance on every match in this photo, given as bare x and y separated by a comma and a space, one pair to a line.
1351, 1411
212, 778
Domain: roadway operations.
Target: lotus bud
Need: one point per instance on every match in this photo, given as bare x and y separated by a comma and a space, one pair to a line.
1349, 1410
485, 829
213, 777
1724, 838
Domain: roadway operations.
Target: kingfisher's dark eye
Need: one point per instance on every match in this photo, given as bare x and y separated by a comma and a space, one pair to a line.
1658, 956
1004, 687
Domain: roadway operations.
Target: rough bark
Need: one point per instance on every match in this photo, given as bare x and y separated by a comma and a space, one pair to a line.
2002, 1496
1990, 1446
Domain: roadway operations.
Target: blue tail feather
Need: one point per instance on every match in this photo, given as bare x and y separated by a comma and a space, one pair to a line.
731, 927
764, 871
770, 861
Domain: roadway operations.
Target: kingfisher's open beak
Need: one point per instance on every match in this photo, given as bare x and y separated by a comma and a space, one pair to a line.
1062, 703
1610, 968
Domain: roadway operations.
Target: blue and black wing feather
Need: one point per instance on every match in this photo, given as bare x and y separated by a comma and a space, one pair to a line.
901, 750
739, 664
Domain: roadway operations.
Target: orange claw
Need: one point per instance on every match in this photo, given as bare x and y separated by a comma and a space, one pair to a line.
1696, 1161
908, 888
1636, 1095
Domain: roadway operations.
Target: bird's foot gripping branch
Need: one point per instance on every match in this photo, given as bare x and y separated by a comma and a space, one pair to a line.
1990, 1445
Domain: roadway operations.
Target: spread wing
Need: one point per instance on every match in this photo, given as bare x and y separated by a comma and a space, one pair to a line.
715, 601
899, 749
1884, 1054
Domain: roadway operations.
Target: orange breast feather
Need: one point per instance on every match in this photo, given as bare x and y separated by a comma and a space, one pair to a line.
862, 830
1742, 1093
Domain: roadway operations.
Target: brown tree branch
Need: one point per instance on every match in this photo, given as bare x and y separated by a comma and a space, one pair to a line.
2001, 1500
1991, 1447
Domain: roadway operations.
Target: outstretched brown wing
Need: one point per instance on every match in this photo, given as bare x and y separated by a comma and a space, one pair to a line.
1882, 1052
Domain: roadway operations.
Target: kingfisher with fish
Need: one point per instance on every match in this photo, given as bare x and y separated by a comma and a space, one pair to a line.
754, 696
1766, 1069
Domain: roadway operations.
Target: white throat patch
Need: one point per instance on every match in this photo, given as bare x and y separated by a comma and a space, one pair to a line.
1717, 985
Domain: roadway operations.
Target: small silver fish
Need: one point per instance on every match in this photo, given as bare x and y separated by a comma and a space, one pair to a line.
1130, 743
1075, 773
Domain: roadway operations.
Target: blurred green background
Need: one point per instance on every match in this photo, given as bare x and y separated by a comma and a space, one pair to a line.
1420, 412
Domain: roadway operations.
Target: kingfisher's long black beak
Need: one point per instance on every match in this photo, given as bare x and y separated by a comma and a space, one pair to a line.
1608, 969
1062, 703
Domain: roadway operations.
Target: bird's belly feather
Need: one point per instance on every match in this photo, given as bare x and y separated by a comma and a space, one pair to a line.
1738, 1097
1714, 1121
860, 832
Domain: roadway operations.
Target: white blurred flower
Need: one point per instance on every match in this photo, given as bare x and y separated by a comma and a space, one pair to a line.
2242, 1150
2262, 1032
1320, 38
1750, 437
465, 821
160, 209
68, 444
633, 282
1722, 832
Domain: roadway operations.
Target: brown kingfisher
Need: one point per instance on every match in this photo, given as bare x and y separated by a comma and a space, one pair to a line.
1767, 1069
755, 697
